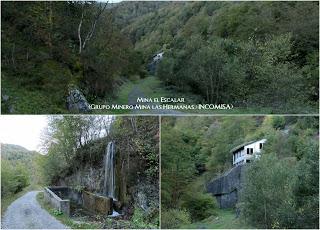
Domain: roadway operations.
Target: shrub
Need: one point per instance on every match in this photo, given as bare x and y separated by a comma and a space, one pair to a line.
140, 219
278, 122
199, 205
267, 193
13, 178
173, 218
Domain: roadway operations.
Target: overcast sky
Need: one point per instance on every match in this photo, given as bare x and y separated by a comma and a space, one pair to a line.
24, 130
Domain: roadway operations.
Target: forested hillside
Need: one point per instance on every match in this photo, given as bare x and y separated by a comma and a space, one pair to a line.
17, 169
251, 54
280, 191
51, 47
15, 152
257, 56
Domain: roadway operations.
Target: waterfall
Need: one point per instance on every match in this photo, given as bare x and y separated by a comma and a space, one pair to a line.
109, 171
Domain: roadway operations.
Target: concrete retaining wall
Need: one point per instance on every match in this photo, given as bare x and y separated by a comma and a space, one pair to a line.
227, 187
59, 197
62, 205
97, 204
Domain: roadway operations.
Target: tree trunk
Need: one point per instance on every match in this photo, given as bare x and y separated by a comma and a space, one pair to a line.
82, 45
79, 32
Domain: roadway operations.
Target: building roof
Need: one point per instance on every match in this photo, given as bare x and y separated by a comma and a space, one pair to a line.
244, 144
241, 146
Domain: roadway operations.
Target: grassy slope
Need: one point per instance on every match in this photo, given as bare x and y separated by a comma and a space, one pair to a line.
225, 219
26, 101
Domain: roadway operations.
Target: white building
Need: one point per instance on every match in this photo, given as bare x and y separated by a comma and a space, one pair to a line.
245, 152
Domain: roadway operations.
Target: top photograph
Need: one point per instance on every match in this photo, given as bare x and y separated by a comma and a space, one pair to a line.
179, 58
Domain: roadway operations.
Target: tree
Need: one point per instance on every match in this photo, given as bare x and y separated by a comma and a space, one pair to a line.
306, 187
267, 198
177, 167
99, 10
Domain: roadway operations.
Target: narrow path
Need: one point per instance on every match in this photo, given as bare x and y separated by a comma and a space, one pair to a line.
26, 213
137, 93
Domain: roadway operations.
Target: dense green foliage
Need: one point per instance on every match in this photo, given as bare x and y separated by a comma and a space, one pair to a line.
197, 149
41, 54
69, 143
250, 54
173, 218
17, 169
254, 55
138, 137
13, 178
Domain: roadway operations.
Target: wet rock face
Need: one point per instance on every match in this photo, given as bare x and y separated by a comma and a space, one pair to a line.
91, 179
226, 188
76, 102
146, 197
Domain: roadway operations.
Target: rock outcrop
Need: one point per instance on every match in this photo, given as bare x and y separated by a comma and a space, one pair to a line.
7, 106
145, 196
226, 188
76, 101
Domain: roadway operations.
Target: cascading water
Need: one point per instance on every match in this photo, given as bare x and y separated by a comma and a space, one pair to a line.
109, 184
109, 171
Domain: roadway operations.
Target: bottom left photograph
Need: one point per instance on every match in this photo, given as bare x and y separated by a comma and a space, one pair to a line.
86, 171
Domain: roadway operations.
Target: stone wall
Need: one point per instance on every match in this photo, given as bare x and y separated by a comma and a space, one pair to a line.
226, 188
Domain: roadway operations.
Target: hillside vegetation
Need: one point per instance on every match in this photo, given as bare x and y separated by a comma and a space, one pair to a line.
250, 54
280, 190
41, 54
18, 171
257, 56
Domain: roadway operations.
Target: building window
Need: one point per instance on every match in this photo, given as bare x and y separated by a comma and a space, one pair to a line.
261, 145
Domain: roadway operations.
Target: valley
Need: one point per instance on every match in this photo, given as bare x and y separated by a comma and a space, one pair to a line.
194, 50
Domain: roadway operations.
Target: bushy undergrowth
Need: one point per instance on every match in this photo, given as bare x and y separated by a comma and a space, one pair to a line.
174, 218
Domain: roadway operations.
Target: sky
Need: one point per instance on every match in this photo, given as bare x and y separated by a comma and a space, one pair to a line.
23, 130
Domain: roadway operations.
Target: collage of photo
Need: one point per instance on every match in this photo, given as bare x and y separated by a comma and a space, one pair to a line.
159, 114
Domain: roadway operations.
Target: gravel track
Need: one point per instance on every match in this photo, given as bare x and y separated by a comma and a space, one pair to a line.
26, 213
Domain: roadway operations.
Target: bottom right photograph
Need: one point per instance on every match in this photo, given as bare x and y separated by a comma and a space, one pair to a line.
236, 172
